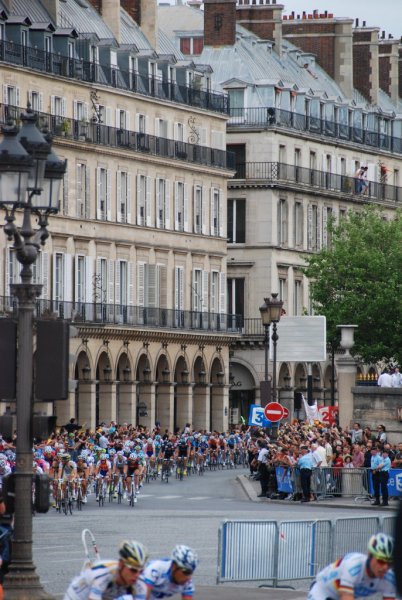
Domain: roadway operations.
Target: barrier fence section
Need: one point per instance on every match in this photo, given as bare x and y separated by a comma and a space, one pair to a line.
328, 482
272, 551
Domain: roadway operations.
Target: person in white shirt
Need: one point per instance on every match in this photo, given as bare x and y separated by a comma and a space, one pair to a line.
385, 379
396, 378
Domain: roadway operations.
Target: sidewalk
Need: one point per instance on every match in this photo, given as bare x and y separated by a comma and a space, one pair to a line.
252, 488
229, 592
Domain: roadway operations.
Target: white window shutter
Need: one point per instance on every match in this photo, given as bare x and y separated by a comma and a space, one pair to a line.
5, 94
157, 127
52, 104
179, 288
162, 279
152, 286
318, 229
185, 207
205, 291
108, 116
89, 276
220, 211
140, 284
118, 197
68, 284
109, 194
167, 203
18, 96
324, 227
117, 282
128, 198
117, 118
111, 281
176, 205
130, 286
309, 227
63, 107
85, 110
158, 203
54, 275
222, 293
98, 193
204, 210
45, 274
148, 201
40, 101
76, 257
212, 212
139, 201
137, 122
128, 121
195, 291
75, 110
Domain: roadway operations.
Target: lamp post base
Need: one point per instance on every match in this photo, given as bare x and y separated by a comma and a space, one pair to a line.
22, 583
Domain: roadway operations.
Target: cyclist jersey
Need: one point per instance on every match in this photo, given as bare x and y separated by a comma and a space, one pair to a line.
157, 577
97, 583
231, 443
81, 469
104, 468
149, 449
168, 452
349, 575
182, 449
68, 468
133, 464
213, 444
119, 464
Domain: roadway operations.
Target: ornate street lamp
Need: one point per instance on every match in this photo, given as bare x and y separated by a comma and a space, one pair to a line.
271, 312
30, 175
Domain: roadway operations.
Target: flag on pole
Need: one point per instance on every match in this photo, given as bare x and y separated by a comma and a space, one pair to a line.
311, 411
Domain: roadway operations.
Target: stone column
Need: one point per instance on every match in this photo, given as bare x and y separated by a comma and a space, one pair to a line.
127, 402
201, 407
107, 401
63, 409
87, 403
164, 405
147, 396
184, 406
346, 369
219, 403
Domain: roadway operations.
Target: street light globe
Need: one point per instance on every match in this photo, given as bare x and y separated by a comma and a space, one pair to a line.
15, 165
37, 146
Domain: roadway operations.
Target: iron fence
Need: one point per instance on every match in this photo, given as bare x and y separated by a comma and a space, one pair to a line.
134, 316
268, 116
271, 552
93, 72
281, 173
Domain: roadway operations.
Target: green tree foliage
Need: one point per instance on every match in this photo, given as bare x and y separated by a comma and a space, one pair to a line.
358, 281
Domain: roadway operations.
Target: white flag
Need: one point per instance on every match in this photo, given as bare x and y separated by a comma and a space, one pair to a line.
311, 411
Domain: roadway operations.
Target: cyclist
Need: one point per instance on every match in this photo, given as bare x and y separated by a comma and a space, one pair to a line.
133, 470
67, 470
103, 469
119, 469
164, 578
166, 455
182, 453
107, 580
83, 474
358, 575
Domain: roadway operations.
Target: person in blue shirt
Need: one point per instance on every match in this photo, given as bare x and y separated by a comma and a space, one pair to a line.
305, 464
380, 465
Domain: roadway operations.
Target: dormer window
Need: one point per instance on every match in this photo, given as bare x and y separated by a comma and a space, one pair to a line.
94, 54
192, 45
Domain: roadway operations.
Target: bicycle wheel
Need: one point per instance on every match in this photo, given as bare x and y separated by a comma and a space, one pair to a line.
59, 501
79, 499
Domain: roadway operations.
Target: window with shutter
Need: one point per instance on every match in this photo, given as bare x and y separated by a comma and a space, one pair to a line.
141, 199
197, 209
179, 206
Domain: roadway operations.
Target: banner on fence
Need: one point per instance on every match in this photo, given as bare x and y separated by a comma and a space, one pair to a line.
284, 479
394, 482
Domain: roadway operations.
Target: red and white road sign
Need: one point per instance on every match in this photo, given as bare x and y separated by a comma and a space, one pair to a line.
285, 412
274, 412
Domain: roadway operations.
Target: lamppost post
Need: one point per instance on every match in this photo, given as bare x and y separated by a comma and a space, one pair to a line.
30, 177
271, 312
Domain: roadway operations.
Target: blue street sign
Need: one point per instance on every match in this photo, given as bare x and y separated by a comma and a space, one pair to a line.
257, 418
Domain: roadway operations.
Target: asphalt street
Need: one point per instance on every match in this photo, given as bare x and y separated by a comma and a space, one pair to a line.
188, 512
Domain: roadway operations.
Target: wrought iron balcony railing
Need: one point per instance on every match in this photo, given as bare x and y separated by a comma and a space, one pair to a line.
96, 133
266, 117
83, 70
132, 316
281, 173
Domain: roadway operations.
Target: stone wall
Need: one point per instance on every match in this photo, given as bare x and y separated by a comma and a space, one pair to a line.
373, 405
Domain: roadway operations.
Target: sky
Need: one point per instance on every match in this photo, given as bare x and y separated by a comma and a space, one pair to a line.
386, 14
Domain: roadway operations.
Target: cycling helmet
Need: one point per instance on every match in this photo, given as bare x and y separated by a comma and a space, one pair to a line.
65, 456
48, 450
133, 456
112, 451
133, 554
137, 448
3, 464
38, 454
185, 557
157, 437
141, 454
381, 546
150, 440
120, 453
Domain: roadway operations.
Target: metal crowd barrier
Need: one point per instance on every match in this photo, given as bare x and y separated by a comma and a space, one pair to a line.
273, 552
327, 482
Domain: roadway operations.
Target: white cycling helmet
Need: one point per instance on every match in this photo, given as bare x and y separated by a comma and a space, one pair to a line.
185, 558
133, 554
381, 546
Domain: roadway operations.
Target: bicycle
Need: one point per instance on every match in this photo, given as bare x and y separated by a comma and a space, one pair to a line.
180, 468
79, 494
68, 498
165, 473
101, 491
133, 494
120, 489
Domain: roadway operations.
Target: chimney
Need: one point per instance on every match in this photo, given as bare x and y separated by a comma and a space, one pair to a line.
111, 16
145, 14
52, 7
388, 67
365, 62
400, 70
330, 40
263, 19
219, 22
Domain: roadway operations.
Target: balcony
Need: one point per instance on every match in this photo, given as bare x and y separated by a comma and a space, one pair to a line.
130, 316
269, 117
89, 72
281, 174
97, 133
